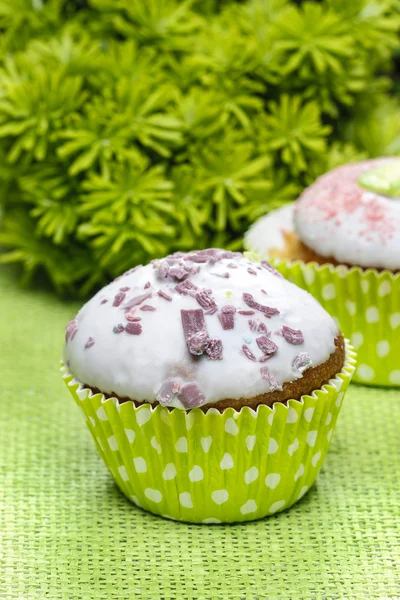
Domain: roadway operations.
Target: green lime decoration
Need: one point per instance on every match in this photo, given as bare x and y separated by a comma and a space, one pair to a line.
383, 180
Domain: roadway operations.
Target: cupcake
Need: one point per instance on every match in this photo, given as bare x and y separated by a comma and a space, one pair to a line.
341, 241
211, 385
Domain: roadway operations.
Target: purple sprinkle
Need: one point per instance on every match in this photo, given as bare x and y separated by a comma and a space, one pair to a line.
118, 328
301, 362
270, 268
137, 300
262, 328
191, 395
203, 298
293, 336
214, 349
124, 289
211, 311
266, 345
168, 390
267, 310
265, 357
133, 328
195, 330
223, 275
71, 329
133, 270
253, 325
120, 297
132, 317
248, 353
186, 288
89, 343
148, 308
196, 258
226, 316
246, 313
178, 273
164, 295
163, 270
104, 301
147, 285
273, 382
251, 271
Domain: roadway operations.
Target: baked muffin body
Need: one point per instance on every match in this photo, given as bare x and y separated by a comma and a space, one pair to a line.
208, 328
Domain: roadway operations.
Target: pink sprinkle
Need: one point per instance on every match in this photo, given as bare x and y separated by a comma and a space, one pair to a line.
246, 313
232, 266
120, 297
75, 331
147, 285
223, 275
148, 308
89, 343
124, 289
133, 328
164, 295
293, 336
248, 353
264, 292
251, 271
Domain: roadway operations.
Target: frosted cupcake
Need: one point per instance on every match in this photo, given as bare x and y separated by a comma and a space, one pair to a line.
341, 241
211, 385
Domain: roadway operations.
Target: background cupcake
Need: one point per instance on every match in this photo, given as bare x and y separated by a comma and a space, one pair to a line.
203, 380
341, 241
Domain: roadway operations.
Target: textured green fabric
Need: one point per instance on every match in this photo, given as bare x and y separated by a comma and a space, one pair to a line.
66, 532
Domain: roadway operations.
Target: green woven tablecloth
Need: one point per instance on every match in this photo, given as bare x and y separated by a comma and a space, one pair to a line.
67, 532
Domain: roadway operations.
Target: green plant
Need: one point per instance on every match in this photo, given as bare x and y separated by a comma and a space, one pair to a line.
132, 128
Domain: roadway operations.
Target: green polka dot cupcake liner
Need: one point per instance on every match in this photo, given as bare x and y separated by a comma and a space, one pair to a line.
366, 306
212, 467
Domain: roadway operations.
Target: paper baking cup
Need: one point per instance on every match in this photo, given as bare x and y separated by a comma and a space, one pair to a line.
366, 307
212, 467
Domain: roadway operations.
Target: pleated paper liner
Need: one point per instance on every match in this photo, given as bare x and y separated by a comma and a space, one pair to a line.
211, 467
366, 307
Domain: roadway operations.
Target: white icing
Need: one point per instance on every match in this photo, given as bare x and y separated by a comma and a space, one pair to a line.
135, 366
267, 233
338, 218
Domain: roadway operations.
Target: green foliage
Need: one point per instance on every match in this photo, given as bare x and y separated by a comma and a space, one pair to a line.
132, 128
